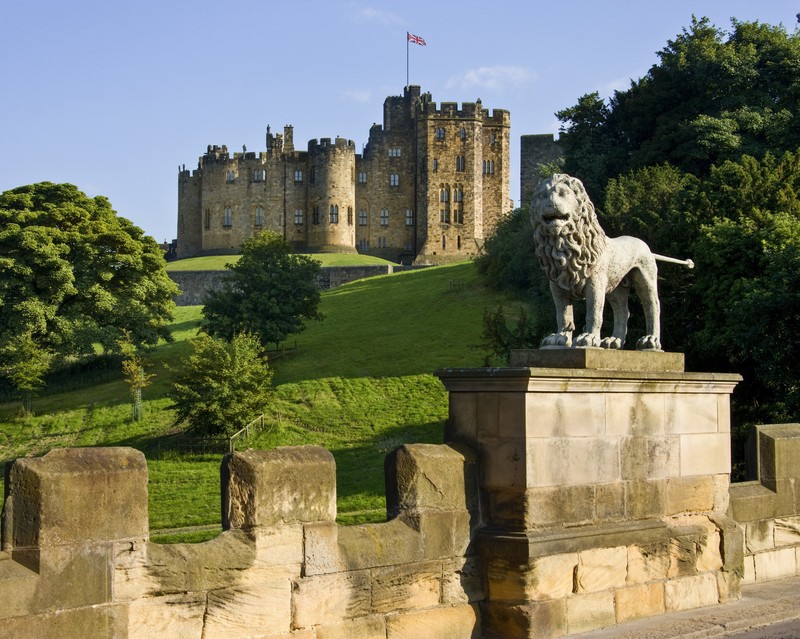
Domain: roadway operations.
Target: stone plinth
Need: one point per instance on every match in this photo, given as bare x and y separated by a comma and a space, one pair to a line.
605, 476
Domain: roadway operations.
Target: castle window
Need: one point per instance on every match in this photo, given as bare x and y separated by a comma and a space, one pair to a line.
298, 216
444, 216
394, 179
460, 163
259, 175
493, 137
463, 133
258, 220
439, 133
458, 216
435, 164
384, 217
230, 176
207, 221
444, 194
444, 242
408, 247
363, 244
315, 215
488, 167
362, 177
459, 242
409, 217
394, 152
381, 242
312, 176
458, 194
227, 218
362, 217
333, 215
298, 176
349, 216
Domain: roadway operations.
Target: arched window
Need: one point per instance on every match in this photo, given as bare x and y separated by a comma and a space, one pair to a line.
227, 218
463, 133
333, 216
384, 217
362, 217
298, 176
258, 219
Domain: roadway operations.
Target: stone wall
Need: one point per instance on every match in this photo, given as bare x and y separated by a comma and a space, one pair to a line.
195, 284
769, 508
77, 561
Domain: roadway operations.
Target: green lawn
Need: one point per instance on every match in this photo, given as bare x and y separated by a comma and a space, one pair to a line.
359, 383
218, 262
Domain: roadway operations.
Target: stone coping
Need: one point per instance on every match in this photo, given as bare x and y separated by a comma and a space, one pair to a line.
598, 358
568, 380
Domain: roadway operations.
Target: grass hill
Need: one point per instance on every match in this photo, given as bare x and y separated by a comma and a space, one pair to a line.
218, 262
359, 383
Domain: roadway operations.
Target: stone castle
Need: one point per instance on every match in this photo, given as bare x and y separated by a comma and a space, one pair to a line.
430, 185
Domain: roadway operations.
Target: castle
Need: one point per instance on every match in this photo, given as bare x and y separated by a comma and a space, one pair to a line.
430, 185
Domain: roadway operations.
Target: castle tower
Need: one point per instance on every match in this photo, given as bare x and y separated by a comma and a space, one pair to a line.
331, 196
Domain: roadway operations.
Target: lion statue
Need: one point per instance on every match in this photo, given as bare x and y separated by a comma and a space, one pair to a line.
582, 262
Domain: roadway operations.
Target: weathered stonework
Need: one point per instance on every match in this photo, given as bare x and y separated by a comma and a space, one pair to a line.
430, 186
487, 536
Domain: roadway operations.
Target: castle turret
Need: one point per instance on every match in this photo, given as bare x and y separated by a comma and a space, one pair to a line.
331, 195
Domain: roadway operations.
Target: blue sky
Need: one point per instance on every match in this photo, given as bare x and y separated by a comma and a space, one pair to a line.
114, 95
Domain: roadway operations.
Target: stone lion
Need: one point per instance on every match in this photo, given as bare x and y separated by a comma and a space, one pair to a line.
582, 262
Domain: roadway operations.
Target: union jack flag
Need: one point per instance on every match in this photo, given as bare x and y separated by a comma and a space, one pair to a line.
415, 39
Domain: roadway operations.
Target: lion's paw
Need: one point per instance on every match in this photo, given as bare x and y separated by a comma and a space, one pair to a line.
648, 343
614, 343
587, 340
558, 339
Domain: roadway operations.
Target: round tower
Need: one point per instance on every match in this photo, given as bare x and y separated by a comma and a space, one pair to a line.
332, 196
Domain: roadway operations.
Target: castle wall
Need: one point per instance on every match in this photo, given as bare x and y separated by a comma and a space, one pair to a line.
331, 202
535, 150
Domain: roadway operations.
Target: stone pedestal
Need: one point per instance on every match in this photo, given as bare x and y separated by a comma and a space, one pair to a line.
603, 472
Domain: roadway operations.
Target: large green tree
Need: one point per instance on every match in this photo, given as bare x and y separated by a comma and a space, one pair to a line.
74, 276
269, 292
713, 96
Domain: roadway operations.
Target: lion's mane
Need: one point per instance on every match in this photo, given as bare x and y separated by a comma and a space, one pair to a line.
568, 257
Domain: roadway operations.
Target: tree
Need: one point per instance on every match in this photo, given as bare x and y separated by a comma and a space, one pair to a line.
713, 96
223, 386
269, 292
75, 276
135, 375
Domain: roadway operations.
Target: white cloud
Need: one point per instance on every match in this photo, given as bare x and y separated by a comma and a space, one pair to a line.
497, 77
371, 14
356, 95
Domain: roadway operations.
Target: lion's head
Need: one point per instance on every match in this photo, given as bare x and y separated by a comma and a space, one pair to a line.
567, 234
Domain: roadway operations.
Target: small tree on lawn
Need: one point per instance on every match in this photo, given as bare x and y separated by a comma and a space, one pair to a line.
269, 292
28, 363
223, 385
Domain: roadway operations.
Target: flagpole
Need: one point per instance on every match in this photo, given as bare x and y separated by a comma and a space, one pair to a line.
406, 58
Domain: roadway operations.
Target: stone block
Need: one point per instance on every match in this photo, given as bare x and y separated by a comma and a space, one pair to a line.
779, 447
488, 417
749, 570
571, 461
559, 506
648, 562
364, 628
462, 581
280, 486
645, 499
775, 564
610, 502
331, 548
705, 454
682, 556
687, 593
690, 494
649, 457
640, 601
280, 545
456, 622
72, 495
444, 534
601, 569
412, 587
732, 543
709, 556
751, 501
787, 531
165, 616
18, 587
330, 599
508, 463
434, 477
73, 576
541, 619
759, 535
565, 415
590, 612
692, 413
512, 417
722, 492
729, 585
547, 577
723, 413
635, 414
462, 422
598, 359
194, 567
100, 621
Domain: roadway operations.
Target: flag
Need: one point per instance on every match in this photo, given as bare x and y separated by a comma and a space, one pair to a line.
415, 39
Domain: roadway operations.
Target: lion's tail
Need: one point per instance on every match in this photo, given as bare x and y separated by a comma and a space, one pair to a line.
672, 260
